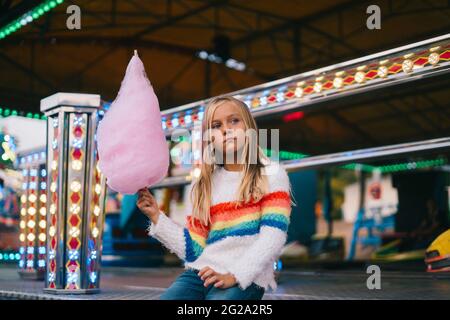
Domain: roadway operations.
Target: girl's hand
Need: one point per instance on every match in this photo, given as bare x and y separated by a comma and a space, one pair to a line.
147, 204
223, 281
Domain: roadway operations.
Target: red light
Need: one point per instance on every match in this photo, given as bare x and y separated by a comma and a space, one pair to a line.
293, 116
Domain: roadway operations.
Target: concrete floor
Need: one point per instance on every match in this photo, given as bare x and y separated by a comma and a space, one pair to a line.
149, 283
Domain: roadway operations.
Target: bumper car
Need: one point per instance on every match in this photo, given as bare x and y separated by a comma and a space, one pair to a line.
437, 255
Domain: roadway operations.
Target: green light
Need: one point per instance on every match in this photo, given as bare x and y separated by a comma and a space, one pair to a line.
40, 11
35, 15
14, 113
36, 116
59, 1
29, 115
52, 4
46, 8
7, 112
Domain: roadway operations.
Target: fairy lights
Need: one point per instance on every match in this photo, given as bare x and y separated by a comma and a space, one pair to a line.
28, 17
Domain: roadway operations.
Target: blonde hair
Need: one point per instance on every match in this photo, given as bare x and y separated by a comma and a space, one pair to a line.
253, 185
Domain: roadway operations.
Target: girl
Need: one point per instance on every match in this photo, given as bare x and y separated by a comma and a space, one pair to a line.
239, 213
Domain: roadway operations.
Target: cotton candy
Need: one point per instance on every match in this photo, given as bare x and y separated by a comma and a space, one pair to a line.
133, 152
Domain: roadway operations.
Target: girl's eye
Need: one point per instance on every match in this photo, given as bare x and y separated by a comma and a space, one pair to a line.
234, 121
216, 125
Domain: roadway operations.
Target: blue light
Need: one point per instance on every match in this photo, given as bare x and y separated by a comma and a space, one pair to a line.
33, 172
263, 101
41, 263
43, 155
24, 172
21, 250
30, 250
33, 185
77, 143
43, 185
41, 250
43, 173
93, 276
51, 276
24, 186
21, 264
17, 256
1, 256
5, 256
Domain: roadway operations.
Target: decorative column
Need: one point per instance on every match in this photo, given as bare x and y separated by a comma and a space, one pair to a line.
76, 194
32, 225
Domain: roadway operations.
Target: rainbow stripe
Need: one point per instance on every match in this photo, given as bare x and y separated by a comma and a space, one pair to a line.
230, 219
195, 239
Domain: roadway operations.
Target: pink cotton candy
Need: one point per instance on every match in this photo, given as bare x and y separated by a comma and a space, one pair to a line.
132, 148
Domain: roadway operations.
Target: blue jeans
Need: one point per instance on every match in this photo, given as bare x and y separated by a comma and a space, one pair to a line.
189, 286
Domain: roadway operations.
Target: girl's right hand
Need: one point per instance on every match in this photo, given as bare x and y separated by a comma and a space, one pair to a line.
147, 204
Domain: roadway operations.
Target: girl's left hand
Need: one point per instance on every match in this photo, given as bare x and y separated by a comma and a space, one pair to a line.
223, 281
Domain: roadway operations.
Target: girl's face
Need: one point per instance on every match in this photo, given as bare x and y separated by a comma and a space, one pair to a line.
228, 128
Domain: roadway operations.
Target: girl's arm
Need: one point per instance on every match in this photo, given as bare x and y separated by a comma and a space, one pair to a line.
185, 242
275, 218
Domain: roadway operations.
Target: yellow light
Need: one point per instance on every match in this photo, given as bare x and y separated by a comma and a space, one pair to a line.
407, 66
318, 87
75, 209
23, 212
337, 82
359, 76
23, 198
42, 237
22, 237
52, 209
53, 187
74, 232
299, 92
54, 165
98, 188
43, 211
77, 165
382, 71
97, 210
42, 224
51, 231
32, 211
433, 58
95, 232
75, 186
43, 198
31, 237
22, 224
32, 198
196, 172
31, 224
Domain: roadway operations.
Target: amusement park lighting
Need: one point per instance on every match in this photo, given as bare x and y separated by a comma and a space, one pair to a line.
229, 63
28, 17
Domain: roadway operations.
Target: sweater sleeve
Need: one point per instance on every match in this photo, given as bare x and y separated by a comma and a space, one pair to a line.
275, 218
187, 241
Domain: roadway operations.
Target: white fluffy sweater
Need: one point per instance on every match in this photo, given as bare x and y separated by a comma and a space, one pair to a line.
244, 241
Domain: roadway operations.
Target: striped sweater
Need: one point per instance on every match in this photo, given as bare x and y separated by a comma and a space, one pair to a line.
245, 240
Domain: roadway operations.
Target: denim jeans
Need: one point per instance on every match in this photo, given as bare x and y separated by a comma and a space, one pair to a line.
189, 286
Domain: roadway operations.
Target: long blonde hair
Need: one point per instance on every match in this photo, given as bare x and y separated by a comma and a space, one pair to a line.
253, 185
